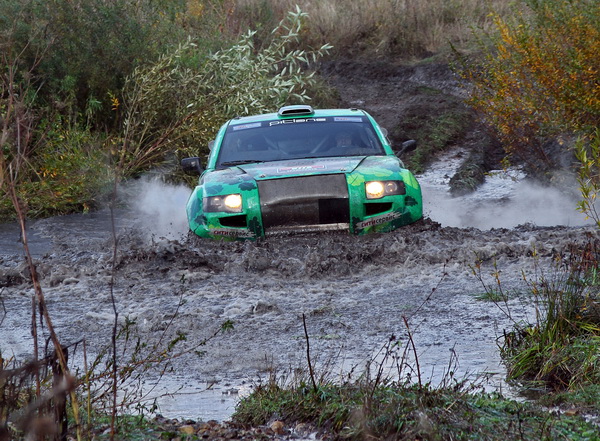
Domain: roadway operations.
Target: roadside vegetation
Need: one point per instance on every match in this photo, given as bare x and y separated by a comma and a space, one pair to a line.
87, 85
92, 93
402, 411
141, 91
559, 350
535, 82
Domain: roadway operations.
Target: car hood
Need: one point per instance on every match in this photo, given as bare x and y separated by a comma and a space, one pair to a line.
295, 167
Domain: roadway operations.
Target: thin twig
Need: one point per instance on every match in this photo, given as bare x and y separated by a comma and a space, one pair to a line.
113, 417
412, 343
3, 307
310, 368
88, 387
36, 350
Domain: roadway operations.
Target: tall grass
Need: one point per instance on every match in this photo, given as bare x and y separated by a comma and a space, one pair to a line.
378, 28
559, 348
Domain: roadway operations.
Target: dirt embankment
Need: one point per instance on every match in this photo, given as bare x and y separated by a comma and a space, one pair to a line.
423, 102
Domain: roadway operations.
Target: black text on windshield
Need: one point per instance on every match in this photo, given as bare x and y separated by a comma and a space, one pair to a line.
294, 121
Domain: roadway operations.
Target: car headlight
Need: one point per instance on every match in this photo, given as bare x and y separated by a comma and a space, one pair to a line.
379, 189
231, 203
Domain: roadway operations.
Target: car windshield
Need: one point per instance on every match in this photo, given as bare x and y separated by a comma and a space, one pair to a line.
318, 137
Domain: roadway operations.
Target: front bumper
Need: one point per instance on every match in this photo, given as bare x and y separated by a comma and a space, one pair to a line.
306, 204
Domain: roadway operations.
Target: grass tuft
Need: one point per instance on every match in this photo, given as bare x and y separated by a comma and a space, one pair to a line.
560, 348
406, 412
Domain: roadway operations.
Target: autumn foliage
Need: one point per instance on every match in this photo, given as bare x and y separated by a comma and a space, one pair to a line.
539, 77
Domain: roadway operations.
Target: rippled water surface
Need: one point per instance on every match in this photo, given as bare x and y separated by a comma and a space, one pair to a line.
354, 293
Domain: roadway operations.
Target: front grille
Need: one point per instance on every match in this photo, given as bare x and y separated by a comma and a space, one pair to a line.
234, 221
373, 208
307, 200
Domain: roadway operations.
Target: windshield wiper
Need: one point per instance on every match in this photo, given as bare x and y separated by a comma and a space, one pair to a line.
240, 162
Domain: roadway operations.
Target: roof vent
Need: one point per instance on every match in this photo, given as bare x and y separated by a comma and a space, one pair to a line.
298, 110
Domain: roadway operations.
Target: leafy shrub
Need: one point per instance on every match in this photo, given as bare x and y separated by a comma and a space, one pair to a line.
71, 177
71, 174
84, 49
178, 103
539, 75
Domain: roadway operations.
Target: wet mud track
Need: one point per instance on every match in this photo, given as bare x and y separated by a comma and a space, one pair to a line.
353, 292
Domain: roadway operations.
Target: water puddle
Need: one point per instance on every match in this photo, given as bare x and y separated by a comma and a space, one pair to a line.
353, 291
183, 398
11, 244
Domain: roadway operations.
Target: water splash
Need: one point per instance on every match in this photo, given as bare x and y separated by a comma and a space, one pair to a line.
159, 207
506, 199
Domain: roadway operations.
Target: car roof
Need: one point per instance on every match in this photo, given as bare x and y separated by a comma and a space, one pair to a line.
301, 111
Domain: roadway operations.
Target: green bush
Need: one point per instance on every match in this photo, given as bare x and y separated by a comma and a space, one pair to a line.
84, 49
70, 173
178, 103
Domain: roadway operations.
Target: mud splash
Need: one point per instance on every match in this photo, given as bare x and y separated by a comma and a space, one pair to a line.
506, 198
354, 293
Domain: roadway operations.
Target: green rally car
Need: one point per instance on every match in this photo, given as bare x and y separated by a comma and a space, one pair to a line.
302, 170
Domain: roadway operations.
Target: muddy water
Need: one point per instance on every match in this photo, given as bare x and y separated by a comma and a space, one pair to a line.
505, 200
354, 293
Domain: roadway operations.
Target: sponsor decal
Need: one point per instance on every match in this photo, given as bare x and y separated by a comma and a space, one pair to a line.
227, 232
246, 126
300, 168
388, 217
348, 118
296, 121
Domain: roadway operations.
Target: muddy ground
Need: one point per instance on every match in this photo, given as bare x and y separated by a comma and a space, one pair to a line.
425, 102
353, 293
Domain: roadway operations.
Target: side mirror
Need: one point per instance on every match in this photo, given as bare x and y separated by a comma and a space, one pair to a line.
192, 165
405, 147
